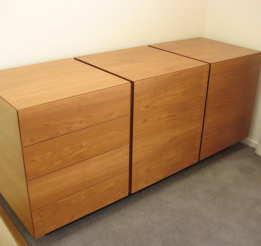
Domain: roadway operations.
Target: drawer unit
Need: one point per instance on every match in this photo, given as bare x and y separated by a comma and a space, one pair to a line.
60, 152
64, 146
234, 73
168, 105
67, 181
65, 116
73, 207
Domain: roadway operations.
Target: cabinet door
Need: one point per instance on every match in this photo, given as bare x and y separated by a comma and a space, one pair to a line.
168, 117
230, 101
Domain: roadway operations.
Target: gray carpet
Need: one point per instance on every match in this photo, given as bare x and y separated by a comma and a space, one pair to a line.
216, 202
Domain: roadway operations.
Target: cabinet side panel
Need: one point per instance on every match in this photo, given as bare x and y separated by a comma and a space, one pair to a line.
168, 117
230, 102
13, 184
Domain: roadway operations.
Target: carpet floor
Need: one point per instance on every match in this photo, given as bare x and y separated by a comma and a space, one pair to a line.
216, 202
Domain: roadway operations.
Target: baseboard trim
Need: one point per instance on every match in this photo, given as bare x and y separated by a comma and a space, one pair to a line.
258, 149
250, 142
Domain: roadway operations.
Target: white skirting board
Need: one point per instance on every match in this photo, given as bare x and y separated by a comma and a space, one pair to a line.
250, 142
253, 144
258, 149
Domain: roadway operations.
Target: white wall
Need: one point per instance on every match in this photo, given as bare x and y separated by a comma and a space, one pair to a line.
33, 31
238, 22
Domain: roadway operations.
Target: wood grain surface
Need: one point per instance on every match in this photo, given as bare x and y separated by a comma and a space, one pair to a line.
78, 146
73, 207
67, 181
231, 97
64, 116
33, 85
139, 63
168, 117
206, 50
13, 184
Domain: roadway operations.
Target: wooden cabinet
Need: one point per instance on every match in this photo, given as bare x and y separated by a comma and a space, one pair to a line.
79, 134
168, 106
64, 145
234, 73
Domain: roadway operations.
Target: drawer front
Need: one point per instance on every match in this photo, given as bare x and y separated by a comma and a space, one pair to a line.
69, 149
71, 208
67, 181
65, 116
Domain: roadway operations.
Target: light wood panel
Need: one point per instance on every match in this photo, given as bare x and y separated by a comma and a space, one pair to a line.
13, 185
231, 96
168, 117
12, 228
33, 85
62, 212
205, 49
69, 149
139, 63
67, 181
64, 116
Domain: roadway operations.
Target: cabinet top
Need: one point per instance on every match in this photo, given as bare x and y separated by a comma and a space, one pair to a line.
140, 63
206, 50
33, 85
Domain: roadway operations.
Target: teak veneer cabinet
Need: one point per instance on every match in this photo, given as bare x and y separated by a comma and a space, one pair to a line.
64, 142
169, 94
77, 135
234, 73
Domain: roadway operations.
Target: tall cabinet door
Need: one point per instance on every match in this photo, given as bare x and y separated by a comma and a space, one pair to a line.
230, 101
168, 118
